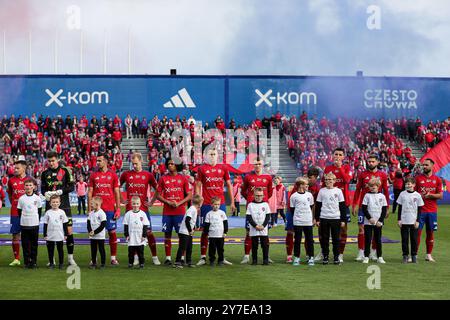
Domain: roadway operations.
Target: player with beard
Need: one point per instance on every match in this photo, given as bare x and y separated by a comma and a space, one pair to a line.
15, 189
430, 188
58, 180
137, 182
362, 187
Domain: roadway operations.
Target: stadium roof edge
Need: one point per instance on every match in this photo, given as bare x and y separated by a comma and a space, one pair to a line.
212, 76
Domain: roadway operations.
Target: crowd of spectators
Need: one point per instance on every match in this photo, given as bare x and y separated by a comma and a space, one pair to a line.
78, 141
311, 141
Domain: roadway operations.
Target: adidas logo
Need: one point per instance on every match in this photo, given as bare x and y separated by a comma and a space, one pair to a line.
180, 100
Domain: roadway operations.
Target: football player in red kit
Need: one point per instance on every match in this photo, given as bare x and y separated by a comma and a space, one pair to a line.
251, 181
174, 192
211, 179
362, 187
137, 182
105, 184
343, 175
16, 189
430, 188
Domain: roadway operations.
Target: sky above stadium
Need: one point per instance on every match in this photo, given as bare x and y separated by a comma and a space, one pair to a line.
287, 37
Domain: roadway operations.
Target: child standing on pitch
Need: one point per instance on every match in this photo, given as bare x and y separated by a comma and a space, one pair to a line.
330, 217
410, 204
135, 225
29, 209
55, 231
301, 204
374, 207
96, 223
258, 217
186, 231
216, 228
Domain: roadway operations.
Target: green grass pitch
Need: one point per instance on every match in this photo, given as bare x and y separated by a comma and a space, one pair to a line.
278, 281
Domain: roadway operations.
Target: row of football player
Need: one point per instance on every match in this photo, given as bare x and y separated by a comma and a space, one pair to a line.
329, 215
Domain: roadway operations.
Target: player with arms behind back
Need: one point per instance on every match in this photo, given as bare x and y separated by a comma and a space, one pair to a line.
430, 188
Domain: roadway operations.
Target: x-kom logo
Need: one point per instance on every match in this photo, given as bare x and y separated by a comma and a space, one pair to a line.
285, 97
83, 97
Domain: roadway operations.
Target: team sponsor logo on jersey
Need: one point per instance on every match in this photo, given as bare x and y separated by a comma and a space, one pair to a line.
102, 185
176, 189
136, 185
213, 179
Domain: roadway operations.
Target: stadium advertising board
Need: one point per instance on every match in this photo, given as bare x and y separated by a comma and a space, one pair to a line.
239, 97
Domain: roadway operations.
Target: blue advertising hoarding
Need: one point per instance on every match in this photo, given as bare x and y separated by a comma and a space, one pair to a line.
239, 97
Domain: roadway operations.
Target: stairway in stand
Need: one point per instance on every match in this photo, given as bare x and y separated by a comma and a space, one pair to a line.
136, 145
283, 165
415, 147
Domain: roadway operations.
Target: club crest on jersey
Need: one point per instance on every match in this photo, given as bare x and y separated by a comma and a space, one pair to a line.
263, 209
141, 218
109, 177
219, 171
60, 217
179, 181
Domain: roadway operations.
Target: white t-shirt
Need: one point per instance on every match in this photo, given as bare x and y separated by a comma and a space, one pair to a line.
215, 219
191, 212
410, 201
330, 199
136, 222
29, 206
302, 203
258, 212
374, 202
96, 218
55, 220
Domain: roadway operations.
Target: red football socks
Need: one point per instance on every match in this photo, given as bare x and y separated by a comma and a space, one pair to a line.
113, 243
152, 243
203, 244
289, 243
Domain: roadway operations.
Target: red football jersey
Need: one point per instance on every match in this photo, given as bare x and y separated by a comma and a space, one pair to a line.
103, 184
425, 184
314, 189
137, 184
16, 189
362, 187
173, 188
252, 181
213, 180
343, 178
